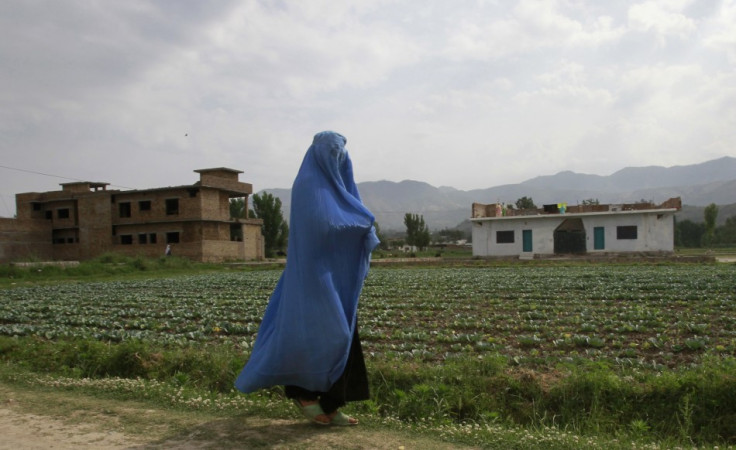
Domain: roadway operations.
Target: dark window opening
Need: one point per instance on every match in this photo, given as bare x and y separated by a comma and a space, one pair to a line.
570, 238
236, 232
505, 237
124, 209
126, 239
627, 232
172, 206
193, 192
59, 241
143, 238
172, 237
49, 215
152, 238
62, 213
36, 206
144, 205
69, 240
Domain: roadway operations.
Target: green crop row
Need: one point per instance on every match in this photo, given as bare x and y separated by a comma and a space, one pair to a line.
652, 316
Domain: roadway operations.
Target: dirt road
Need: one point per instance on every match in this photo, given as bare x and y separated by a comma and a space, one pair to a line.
61, 421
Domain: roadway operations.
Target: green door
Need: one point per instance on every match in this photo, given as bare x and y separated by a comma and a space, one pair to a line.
526, 239
599, 238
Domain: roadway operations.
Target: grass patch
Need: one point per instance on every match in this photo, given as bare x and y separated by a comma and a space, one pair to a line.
687, 405
163, 415
499, 356
106, 266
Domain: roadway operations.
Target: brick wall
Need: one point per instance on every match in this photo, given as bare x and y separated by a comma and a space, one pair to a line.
95, 220
253, 240
95, 225
215, 205
24, 240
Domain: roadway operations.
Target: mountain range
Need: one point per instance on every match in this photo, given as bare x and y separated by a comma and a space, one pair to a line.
698, 185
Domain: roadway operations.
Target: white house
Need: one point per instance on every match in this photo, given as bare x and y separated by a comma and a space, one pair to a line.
558, 229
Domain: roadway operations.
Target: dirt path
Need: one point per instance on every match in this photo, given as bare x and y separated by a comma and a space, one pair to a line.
49, 420
31, 431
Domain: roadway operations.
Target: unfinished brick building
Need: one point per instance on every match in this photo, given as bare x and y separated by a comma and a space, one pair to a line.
85, 220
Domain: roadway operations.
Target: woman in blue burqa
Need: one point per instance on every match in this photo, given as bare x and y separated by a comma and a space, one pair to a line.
308, 339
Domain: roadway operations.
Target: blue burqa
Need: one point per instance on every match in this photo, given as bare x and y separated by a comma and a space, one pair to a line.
308, 326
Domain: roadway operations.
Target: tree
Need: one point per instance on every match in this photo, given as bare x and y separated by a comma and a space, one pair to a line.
275, 230
237, 208
237, 211
726, 234
525, 203
688, 233
590, 201
384, 242
710, 214
417, 232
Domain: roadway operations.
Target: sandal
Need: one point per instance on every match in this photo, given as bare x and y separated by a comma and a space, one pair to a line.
343, 419
311, 412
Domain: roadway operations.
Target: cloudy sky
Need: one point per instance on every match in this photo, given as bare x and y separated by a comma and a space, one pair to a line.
469, 94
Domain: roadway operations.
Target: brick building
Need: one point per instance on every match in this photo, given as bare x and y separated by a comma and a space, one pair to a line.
85, 219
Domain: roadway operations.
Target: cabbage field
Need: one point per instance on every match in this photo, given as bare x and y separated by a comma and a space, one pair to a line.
536, 315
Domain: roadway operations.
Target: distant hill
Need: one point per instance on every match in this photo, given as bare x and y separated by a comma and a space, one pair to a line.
642, 178
445, 207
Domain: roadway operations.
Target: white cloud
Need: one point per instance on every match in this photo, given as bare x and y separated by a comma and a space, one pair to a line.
468, 93
309, 50
662, 17
722, 36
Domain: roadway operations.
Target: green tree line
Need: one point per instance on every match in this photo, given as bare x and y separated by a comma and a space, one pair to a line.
705, 234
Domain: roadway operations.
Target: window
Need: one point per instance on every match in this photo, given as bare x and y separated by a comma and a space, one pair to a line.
236, 232
49, 215
152, 238
143, 238
172, 237
505, 237
36, 206
144, 205
62, 213
172, 206
626, 232
124, 209
126, 239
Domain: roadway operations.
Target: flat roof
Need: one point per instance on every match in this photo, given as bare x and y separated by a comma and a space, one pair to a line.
219, 169
577, 215
85, 183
